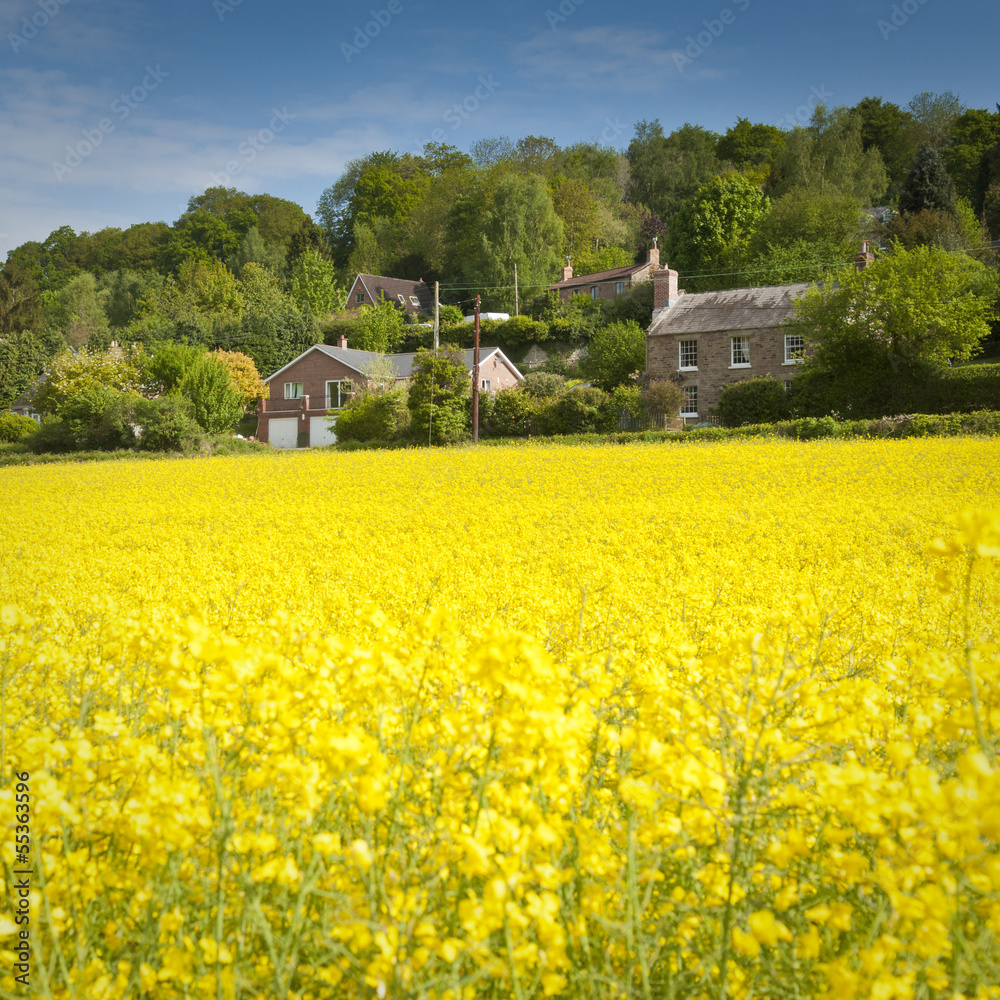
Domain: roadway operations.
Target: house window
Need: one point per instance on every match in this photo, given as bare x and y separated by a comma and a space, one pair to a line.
795, 348
293, 390
741, 352
689, 408
594, 291
337, 393
359, 297
619, 287
688, 355
487, 385
415, 302
402, 301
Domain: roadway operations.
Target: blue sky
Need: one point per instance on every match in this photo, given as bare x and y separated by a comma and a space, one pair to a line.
117, 111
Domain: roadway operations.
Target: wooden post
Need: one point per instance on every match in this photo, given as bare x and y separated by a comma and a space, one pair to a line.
475, 378
437, 313
516, 303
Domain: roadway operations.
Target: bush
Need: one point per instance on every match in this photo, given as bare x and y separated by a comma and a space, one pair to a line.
512, 413
543, 385
373, 417
167, 424
217, 403
522, 330
14, 427
971, 387
758, 400
615, 353
663, 397
583, 411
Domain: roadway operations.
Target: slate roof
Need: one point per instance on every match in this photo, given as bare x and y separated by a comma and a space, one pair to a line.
732, 309
393, 288
403, 363
598, 276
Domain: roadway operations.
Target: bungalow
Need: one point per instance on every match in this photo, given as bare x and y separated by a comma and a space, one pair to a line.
606, 284
315, 385
411, 296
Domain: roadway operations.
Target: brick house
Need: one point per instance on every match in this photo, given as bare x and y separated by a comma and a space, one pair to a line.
711, 339
606, 284
315, 385
411, 296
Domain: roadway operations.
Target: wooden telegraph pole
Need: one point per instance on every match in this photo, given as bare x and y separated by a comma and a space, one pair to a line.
475, 379
437, 313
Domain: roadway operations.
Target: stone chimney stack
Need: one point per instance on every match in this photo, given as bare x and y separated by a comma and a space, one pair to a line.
864, 257
665, 292
342, 341
567, 271
654, 256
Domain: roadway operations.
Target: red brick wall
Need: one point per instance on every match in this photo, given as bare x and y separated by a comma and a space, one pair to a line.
499, 375
767, 356
314, 369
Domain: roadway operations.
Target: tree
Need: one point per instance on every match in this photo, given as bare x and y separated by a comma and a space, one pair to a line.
217, 404
928, 185
748, 145
20, 300
438, 389
973, 134
615, 353
935, 115
523, 229
77, 311
893, 132
254, 249
910, 307
71, 374
379, 328
167, 365
314, 286
576, 205
710, 236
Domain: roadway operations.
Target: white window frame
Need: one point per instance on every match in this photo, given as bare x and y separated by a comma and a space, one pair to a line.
293, 390
595, 291
341, 397
359, 298
680, 356
739, 347
486, 386
789, 359
414, 301
689, 392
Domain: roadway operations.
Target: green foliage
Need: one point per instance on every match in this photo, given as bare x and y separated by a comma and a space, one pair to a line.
757, 400
216, 403
314, 286
70, 375
615, 353
974, 133
373, 417
254, 249
99, 418
543, 385
928, 185
379, 327
709, 240
167, 424
199, 237
521, 330
749, 145
14, 427
168, 364
77, 311
663, 397
893, 133
20, 300
583, 410
23, 355
438, 389
512, 413
968, 388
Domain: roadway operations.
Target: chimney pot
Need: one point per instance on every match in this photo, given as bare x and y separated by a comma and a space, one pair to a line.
654, 257
567, 271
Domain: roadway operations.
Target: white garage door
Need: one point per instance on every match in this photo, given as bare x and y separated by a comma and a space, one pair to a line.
320, 432
284, 433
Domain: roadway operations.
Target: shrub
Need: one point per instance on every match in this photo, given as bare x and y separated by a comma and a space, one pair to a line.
373, 417
758, 400
522, 330
615, 353
217, 402
663, 397
512, 413
583, 410
97, 419
14, 427
167, 424
543, 385
971, 387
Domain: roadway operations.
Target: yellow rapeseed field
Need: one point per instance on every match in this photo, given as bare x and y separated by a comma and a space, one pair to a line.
708, 721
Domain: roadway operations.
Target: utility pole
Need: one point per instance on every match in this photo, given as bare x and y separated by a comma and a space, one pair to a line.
437, 312
516, 304
475, 379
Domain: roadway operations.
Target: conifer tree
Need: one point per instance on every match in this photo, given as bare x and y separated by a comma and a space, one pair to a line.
928, 184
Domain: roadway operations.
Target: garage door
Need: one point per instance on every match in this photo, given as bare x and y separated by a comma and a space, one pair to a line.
284, 433
320, 432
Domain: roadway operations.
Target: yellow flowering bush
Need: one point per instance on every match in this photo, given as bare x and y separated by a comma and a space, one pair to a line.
714, 721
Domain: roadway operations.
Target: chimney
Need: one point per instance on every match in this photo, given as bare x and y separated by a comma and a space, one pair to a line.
654, 256
665, 292
567, 271
864, 257
342, 341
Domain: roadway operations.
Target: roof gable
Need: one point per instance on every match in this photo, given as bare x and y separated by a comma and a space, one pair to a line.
628, 271
392, 288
